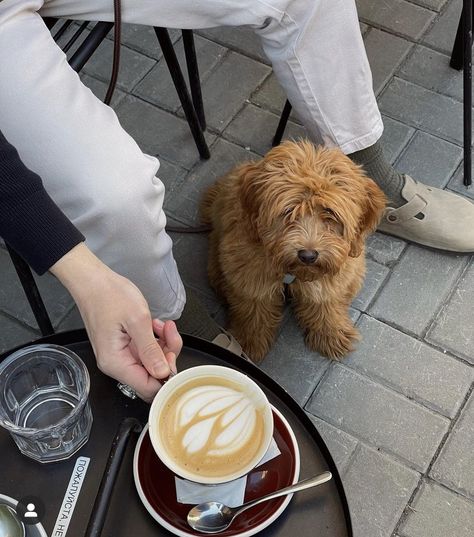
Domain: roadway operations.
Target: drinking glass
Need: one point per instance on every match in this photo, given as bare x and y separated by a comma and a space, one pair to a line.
44, 404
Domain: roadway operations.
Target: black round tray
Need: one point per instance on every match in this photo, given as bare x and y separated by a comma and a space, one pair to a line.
323, 511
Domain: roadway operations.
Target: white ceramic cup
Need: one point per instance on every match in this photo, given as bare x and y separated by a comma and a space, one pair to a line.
247, 386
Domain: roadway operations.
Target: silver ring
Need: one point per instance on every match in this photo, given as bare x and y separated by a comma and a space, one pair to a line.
127, 390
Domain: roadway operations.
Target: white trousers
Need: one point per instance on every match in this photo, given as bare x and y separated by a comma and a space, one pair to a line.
95, 171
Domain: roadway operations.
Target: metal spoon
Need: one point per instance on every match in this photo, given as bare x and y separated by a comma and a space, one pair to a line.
214, 517
10, 524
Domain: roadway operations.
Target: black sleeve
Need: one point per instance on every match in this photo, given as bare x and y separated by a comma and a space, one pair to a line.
30, 222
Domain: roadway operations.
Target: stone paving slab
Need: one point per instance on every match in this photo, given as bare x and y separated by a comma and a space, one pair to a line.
229, 86
270, 95
225, 155
99, 89
143, 39
157, 86
159, 132
72, 321
431, 69
13, 333
216, 309
133, 66
379, 416
220, 316
289, 354
454, 466
410, 367
173, 177
430, 160
190, 253
438, 512
340, 444
399, 16
436, 5
384, 249
441, 35
354, 314
377, 488
57, 300
383, 66
254, 128
423, 109
194, 274
452, 330
417, 287
374, 278
456, 183
395, 137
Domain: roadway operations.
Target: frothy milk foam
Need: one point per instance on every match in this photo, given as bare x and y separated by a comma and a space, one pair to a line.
211, 426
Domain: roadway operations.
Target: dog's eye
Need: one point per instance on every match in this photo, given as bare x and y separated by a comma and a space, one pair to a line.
287, 211
330, 212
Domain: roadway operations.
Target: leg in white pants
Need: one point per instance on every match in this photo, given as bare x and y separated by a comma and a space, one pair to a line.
315, 47
97, 174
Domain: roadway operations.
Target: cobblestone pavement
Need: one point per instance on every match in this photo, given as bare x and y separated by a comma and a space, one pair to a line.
398, 414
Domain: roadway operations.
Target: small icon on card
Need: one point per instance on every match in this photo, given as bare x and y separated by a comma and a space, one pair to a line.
30, 509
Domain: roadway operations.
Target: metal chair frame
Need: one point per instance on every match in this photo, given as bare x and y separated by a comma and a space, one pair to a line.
461, 58
192, 106
32, 292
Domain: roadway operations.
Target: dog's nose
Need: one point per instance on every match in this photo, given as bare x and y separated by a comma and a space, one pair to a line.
307, 256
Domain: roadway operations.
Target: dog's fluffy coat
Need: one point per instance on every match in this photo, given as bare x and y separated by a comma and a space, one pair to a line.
297, 198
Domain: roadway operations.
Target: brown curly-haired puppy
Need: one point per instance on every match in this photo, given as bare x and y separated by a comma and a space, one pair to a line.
300, 212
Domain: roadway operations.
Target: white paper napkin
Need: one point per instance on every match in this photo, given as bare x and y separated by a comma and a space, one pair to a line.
232, 494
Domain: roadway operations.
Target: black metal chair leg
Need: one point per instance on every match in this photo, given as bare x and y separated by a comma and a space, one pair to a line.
282, 124
193, 75
75, 36
89, 45
50, 22
32, 293
461, 58
182, 90
57, 36
457, 54
467, 90
456, 61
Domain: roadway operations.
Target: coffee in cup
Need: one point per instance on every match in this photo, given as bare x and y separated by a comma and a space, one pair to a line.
210, 424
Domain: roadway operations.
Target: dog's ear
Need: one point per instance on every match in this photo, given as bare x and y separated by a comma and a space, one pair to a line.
250, 177
373, 203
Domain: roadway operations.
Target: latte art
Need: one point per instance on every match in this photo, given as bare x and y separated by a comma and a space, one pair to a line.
215, 419
211, 427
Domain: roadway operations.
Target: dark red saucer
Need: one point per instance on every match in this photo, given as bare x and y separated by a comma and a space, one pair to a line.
156, 486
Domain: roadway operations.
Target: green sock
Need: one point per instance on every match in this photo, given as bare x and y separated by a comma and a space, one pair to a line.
195, 319
377, 167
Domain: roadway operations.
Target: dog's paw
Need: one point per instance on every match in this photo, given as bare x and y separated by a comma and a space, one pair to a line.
255, 350
334, 344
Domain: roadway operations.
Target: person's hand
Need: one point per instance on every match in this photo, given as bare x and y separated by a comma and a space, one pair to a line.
119, 324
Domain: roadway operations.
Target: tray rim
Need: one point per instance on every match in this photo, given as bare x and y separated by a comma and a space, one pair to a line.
72, 337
